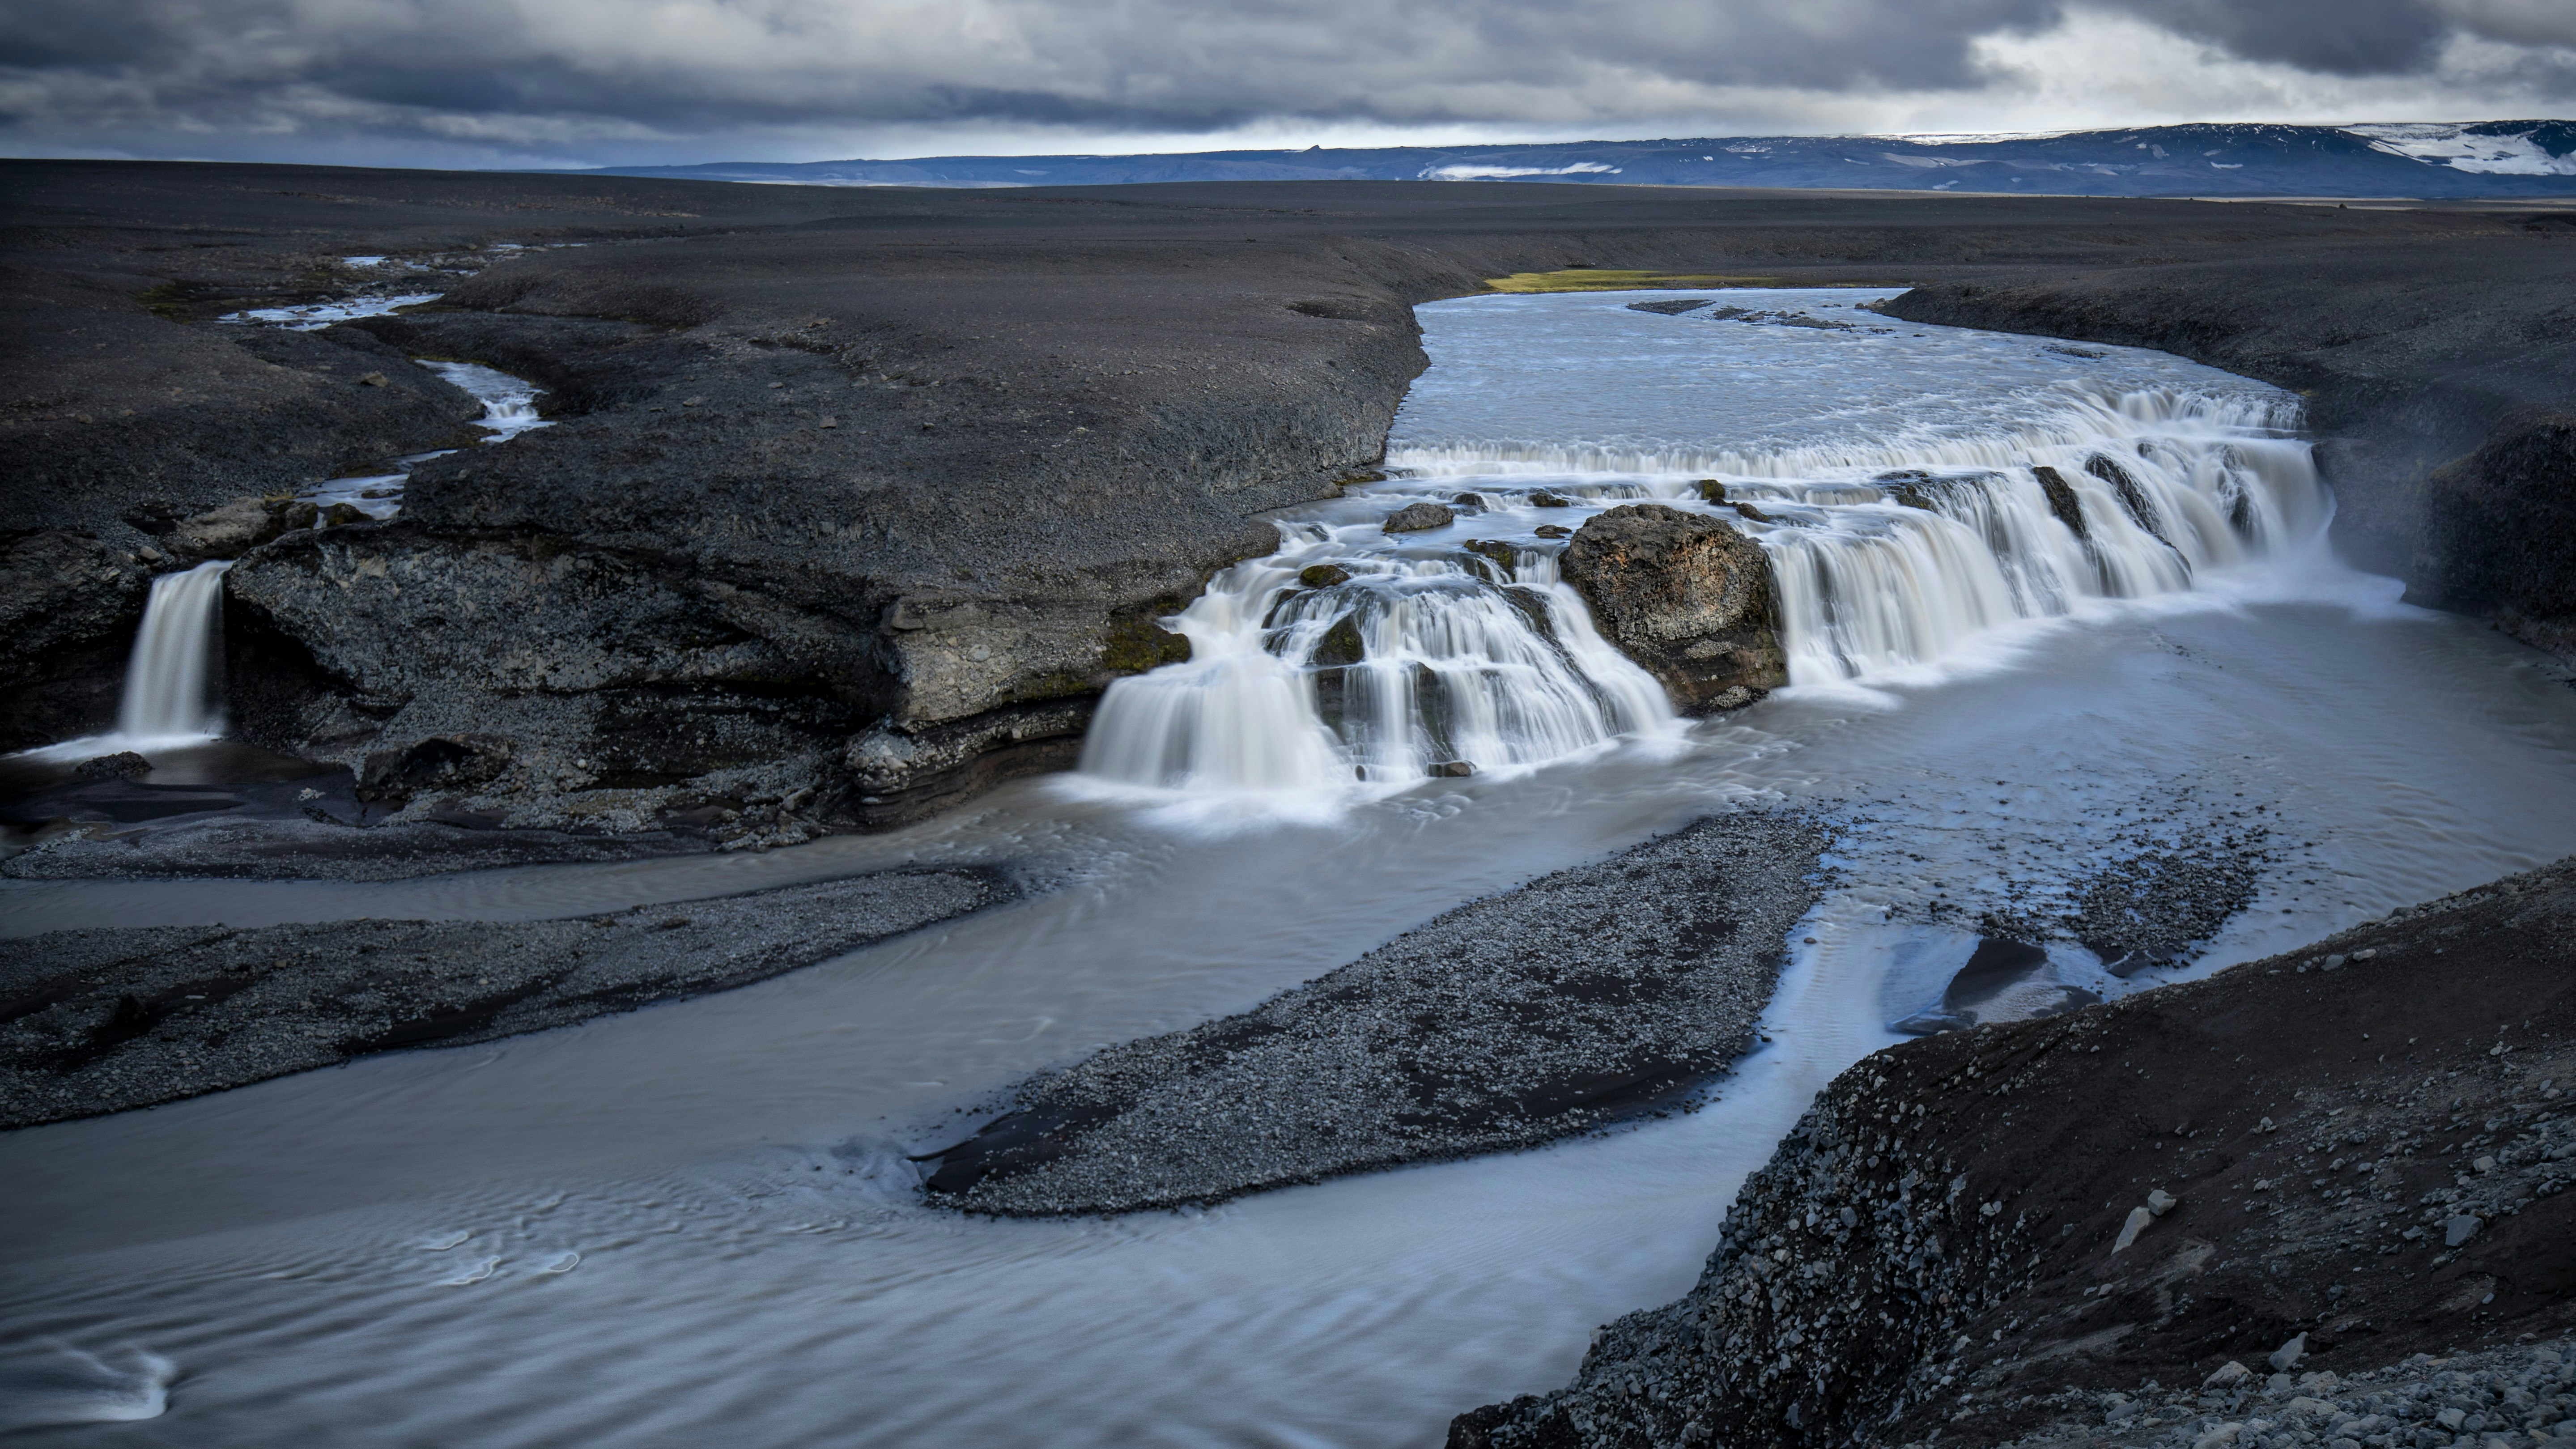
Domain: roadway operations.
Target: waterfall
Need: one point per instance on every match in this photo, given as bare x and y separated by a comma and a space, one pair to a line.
1353, 657
1417, 657
170, 678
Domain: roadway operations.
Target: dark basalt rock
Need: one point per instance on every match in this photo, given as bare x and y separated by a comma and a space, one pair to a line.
2132, 497
2499, 530
123, 765
68, 606
1322, 576
1684, 595
2061, 498
1673, 307
1416, 517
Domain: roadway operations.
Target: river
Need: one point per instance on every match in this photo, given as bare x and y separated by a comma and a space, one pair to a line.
695, 1223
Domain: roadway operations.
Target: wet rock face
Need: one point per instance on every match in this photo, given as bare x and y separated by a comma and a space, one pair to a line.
2314, 1161
2499, 530
67, 608
1686, 597
1417, 517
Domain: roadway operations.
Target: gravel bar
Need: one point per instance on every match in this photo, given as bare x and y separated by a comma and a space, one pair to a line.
1591, 995
97, 1021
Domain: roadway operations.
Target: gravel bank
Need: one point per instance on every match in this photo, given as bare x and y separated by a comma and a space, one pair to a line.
102, 1020
2516, 1398
1584, 997
2360, 1149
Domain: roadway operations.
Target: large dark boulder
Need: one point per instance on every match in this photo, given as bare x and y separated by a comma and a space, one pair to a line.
1687, 597
2498, 534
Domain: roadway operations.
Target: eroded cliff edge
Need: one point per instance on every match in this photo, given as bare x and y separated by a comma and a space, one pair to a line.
853, 501
2344, 1155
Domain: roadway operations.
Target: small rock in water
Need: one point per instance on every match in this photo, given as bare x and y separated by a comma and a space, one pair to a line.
1322, 576
1553, 530
123, 765
1550, 500
1452, 769
1415, 517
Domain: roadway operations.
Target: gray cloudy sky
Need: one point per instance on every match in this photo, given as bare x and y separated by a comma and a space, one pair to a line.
606, 82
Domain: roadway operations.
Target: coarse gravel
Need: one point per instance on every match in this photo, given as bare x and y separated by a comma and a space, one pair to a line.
1587, 996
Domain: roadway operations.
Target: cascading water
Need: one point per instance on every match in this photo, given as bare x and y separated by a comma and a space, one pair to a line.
1419, 657
1912, 493
170, 678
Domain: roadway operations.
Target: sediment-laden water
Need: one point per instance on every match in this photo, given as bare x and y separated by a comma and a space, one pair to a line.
696, 1223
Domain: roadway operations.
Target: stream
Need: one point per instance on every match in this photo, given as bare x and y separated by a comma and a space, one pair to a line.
696, 1223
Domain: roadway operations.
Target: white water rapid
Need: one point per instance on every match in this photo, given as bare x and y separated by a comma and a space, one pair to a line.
695, 1224
1907, 514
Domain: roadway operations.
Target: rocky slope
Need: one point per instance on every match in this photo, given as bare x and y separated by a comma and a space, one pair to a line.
2341, 1156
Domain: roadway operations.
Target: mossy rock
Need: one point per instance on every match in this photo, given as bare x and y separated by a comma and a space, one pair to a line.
1322, 576
1553, 530
1501, 553
1711, 491
1136, 643
1550, 500
1340, 645
340, 514
1756, 514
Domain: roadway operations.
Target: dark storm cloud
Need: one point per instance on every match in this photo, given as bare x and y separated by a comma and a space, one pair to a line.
564, 72
2361, 37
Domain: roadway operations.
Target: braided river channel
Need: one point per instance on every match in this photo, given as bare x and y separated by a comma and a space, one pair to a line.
697, 1223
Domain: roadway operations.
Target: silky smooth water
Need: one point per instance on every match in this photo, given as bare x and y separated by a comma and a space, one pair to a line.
693, 1224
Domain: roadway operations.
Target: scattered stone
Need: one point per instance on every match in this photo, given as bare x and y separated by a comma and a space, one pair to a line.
375, 379
1452, 770
2459, 1228
2287, 1356
2227, 1373
1544, 499
2139, 1218
1553, 530
1322, 576
1416, 517
2160, 1202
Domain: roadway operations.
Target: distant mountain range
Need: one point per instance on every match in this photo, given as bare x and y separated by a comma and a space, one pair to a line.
2443, 159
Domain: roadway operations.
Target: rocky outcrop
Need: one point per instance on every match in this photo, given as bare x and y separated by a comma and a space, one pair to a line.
67, 609
1968, 1234
1648, 970
1684, 595
2498, 534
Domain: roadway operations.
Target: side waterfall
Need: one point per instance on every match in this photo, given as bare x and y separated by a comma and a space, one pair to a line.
1403, 654
170, 678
